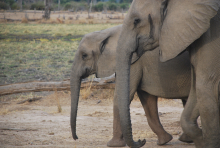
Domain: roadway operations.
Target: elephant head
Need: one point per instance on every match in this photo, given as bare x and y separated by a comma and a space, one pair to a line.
171, 25
95, 55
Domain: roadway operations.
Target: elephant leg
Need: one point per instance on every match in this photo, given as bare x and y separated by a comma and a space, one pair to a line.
184, 137
117, 139
208, 105
149, 103
190, 115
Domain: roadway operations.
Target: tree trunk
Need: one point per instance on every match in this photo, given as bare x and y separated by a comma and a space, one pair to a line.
20, 4
104, 83
47, 9
58, 5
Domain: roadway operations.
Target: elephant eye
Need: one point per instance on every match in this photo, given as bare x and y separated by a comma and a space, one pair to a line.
84, 55
136, 21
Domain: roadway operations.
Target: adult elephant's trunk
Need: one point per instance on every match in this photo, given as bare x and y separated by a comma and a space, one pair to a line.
122, 93
75, 83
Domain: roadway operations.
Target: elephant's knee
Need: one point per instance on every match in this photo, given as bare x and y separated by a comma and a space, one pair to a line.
190, 127
184, 124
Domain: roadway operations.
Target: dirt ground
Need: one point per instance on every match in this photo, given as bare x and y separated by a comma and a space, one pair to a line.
38, 124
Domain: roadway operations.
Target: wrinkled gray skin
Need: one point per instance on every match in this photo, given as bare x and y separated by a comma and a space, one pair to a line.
174, 26
97, 55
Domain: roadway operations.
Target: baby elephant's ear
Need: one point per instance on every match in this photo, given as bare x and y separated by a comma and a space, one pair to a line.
106, 60
134, 58
184, 22
103, 43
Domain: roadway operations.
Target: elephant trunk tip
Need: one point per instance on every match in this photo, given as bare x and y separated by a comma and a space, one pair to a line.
75, 137
137, 144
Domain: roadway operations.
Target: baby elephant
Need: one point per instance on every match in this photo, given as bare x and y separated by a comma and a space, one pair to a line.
149, 77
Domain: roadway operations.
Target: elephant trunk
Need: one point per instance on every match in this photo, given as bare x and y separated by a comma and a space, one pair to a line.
122, 95
75, 83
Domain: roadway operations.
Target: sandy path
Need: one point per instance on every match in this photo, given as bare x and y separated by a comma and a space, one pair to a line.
47, 128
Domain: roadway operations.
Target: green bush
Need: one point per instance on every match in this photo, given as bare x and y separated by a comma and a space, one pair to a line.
26, 7
124, 6
3, 6
15, 6
38, 6
112, 6
68, 6
99, 6
82, 6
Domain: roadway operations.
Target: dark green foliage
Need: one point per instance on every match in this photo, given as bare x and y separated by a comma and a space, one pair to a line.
124, 5
9, 2
15, 6
38, 6
112, 6
99, 6
3, 6
125, 1
68, 6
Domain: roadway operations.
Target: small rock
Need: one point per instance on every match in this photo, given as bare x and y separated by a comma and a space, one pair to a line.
99, 101
51, 133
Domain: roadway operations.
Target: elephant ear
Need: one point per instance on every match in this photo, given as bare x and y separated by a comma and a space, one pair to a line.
135, 57
107, 58
184, 22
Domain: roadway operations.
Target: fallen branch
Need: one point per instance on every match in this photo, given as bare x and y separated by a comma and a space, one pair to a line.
113, 18
17, 129
18, 20
29, 100
97, 83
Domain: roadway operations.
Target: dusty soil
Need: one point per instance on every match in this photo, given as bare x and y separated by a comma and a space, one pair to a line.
38, 124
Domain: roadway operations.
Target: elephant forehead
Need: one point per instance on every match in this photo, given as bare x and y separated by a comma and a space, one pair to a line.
87, 44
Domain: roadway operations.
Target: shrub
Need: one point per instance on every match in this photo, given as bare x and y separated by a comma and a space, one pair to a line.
68, 6
99, 6
38, 6
3, 6
124, 6
112, 6
26, 7
15, 6
82, 6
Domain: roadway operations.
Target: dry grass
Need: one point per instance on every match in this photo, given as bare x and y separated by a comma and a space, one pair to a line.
86, 92
71, 18
59, 108
24, 20
3, 111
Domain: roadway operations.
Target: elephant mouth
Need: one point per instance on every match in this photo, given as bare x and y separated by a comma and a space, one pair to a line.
146, 46
88, 72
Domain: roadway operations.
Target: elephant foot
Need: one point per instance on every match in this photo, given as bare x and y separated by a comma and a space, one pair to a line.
185, 138
138, 144
116, 142
164, 139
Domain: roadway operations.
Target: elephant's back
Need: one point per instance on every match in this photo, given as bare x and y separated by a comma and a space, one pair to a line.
170, 79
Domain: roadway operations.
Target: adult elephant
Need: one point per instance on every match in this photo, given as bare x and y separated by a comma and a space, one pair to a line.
174, 26
96, 54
